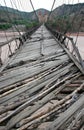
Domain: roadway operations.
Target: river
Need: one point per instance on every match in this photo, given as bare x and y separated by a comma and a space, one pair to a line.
80, 44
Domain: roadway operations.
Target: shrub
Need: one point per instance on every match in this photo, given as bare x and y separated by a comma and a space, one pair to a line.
5, 26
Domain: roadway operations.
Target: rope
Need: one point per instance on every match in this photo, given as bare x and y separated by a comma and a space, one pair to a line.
72, 20
79, 29
10, 19
14, 2
34, 10
51, 9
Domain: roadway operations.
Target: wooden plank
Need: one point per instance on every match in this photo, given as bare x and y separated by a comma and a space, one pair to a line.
28, 51
23, 73
58, 60
28, 111
35, 98
36, 84
44, 126
48, 108
32, 56
67, 114
34, 61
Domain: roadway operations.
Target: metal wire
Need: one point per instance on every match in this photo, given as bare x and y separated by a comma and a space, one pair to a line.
34, 10
51, 9
10, 18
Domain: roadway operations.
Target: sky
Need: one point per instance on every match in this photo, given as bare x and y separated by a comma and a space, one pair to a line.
24, 5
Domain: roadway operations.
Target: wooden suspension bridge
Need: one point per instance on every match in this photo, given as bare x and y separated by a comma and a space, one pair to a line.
42, 83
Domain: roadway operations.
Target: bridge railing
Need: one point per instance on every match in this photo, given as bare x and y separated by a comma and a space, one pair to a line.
10, 47
69, 44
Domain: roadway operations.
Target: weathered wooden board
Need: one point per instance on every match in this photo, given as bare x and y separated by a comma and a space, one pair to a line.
67, 114
23, 73
37, 84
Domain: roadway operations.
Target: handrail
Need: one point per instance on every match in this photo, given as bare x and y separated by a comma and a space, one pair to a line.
14, 44
62, 37
12, 39
24, 36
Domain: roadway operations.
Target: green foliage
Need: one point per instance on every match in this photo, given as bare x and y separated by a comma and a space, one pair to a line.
31, 25
5, 26
61, 24
20, 22
27, 24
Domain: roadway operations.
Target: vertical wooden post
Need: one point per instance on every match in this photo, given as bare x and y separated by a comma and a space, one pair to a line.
10, 48
0, 56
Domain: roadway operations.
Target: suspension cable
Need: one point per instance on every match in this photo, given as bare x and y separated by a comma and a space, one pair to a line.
75, 16
51, 9
12, 7
22, 6
18, 11
34, 10
10, 18
79, 30
14, 2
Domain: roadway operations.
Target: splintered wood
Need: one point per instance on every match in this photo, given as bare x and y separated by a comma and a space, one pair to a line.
41, 88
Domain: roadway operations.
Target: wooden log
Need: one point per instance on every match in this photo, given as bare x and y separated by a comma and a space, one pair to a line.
2, 128
38, 120
39, 82
67, 114
13, 106
51, 70
77, 119
26, 67
18, 117
20, 102
50, 108
73, 85
38, 59
28, 111
27, 73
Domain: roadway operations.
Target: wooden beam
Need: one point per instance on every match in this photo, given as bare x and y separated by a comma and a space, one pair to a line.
62, 119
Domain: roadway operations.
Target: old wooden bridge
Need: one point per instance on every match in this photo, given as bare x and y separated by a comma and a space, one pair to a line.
42, 83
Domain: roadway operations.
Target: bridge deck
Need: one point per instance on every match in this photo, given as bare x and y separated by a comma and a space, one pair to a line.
39, 80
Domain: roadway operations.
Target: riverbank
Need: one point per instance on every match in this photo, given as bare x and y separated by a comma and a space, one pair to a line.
7, 33
75, 34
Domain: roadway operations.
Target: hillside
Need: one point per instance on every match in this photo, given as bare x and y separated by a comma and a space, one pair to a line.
61, 17
68, 17
64, 10
68, 10
18, 15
